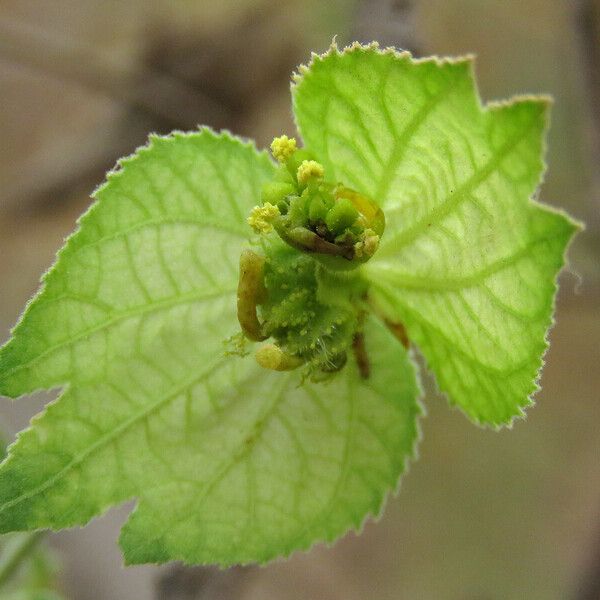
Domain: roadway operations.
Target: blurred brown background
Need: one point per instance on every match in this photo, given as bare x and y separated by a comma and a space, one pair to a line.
482, 515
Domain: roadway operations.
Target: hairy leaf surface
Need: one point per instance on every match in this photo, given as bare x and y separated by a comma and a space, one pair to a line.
468, 261
233, 463
229, 463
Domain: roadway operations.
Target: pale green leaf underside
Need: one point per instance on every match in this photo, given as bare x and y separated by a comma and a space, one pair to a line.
468, 262
229, 463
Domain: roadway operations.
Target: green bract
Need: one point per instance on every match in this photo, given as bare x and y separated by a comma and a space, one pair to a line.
231, 462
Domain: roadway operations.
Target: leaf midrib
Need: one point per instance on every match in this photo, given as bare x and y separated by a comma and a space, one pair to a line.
391, 244
385, 270
427, 325
109, 437
240, 453
343, 472
401, 141
145, 309
204, 222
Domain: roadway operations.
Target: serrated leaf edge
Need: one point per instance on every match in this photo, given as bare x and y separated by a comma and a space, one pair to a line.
63, 253
543, 99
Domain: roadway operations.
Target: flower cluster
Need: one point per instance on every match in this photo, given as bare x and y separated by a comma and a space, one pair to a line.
314, 215
317, 219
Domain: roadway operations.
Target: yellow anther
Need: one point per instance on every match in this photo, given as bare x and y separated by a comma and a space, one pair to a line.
283, 147
310, 169
261, 218
274, 358
368, 245
371, 245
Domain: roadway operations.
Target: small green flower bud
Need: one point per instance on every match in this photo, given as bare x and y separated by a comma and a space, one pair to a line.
348, 238
339, 225
283, 207
275, 191
317, 209
371, 213
298, 211
341, 216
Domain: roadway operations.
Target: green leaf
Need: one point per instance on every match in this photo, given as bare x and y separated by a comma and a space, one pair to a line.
229, 462
468, 261
160, 245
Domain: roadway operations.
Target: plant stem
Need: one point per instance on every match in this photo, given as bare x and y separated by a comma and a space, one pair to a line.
15, 551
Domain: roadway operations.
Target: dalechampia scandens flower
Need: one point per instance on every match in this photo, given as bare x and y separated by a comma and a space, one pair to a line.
233, 332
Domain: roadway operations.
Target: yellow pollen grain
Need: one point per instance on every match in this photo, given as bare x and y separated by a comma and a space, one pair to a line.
261, 218
310, 169
283, 147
